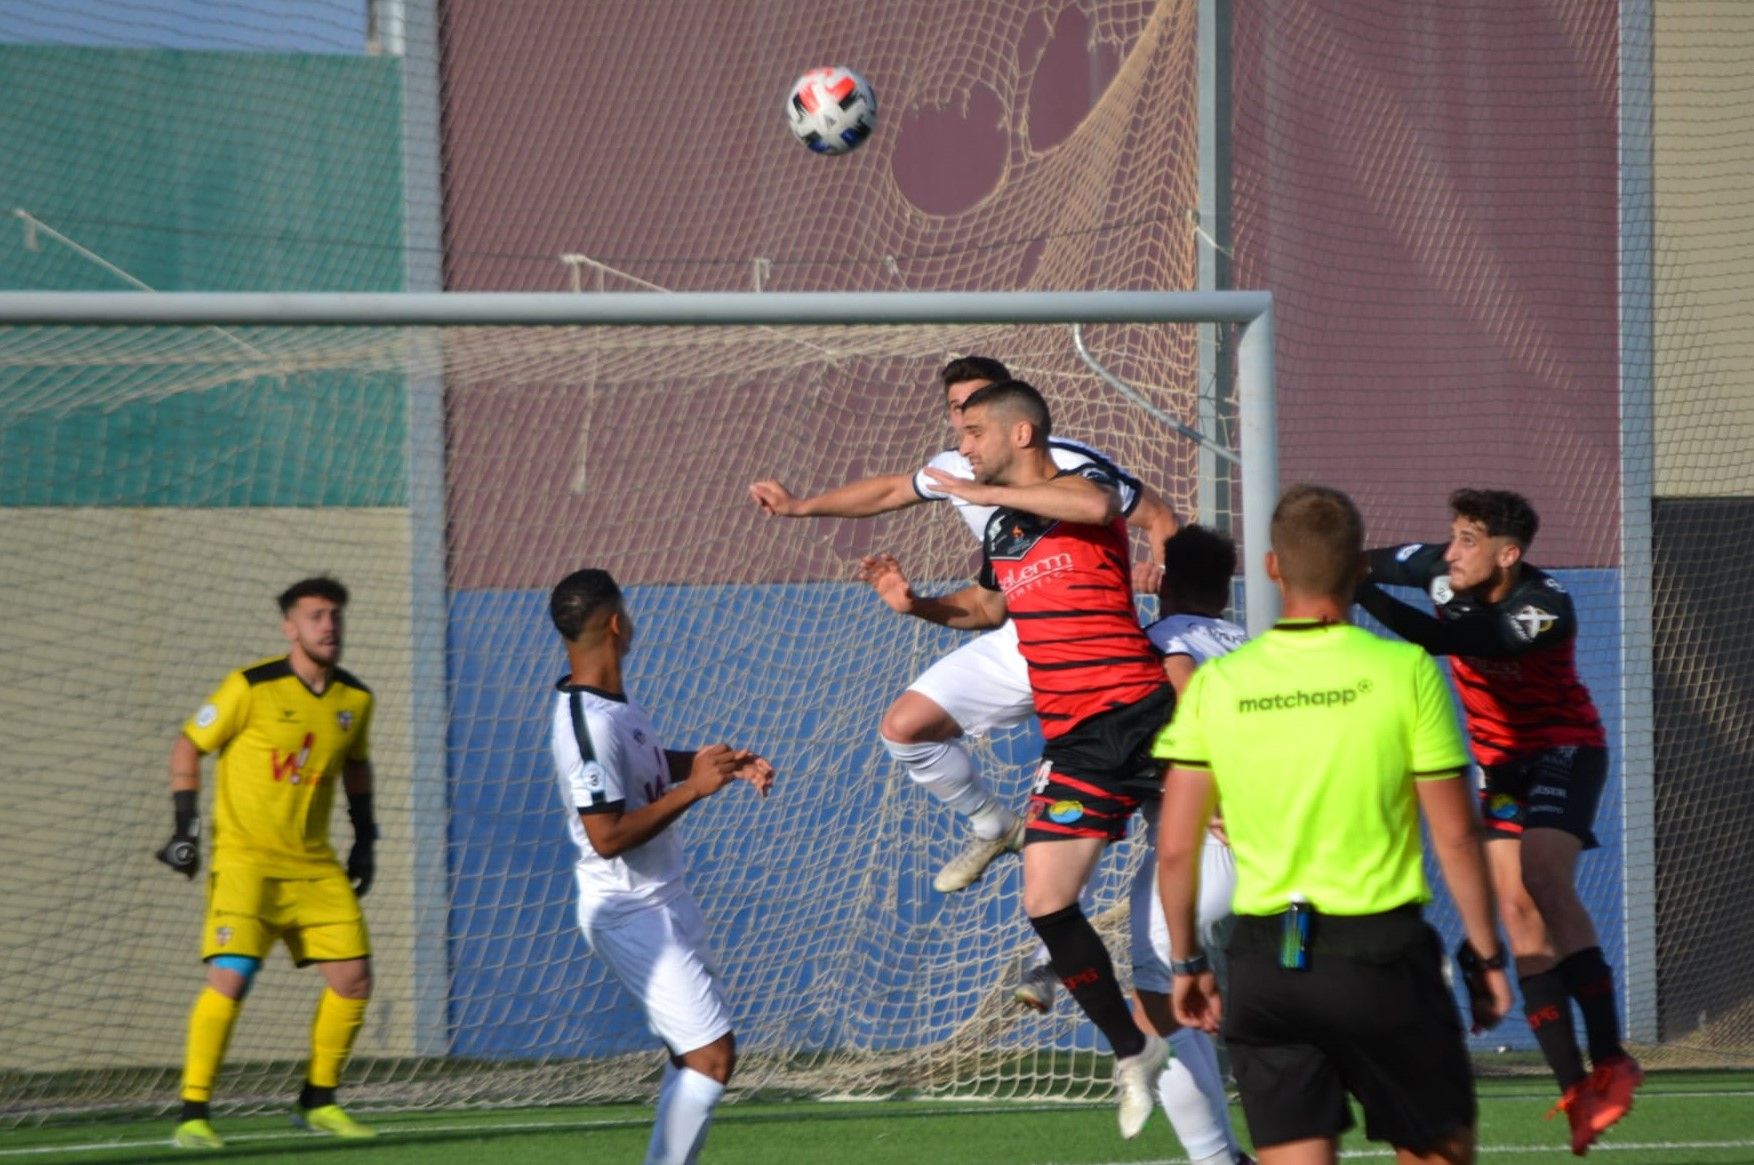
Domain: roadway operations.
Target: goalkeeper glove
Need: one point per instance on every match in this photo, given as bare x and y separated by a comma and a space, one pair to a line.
362, 861
181, 853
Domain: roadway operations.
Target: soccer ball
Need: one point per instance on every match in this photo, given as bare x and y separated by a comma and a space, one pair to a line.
831, 110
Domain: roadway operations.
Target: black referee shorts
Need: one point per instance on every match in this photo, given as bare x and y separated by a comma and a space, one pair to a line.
1375, 1022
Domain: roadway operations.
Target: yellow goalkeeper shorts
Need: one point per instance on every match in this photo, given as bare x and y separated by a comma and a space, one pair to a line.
317, 918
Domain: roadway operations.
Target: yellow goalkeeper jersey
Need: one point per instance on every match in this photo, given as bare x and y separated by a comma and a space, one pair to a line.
281, 751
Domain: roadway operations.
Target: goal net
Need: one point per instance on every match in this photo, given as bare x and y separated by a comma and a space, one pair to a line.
164, 483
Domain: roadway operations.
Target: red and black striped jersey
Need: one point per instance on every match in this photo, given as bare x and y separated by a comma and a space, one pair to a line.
1514, 661
1069, 590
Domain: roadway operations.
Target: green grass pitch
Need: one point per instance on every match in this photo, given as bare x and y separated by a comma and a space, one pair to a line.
1690, 1118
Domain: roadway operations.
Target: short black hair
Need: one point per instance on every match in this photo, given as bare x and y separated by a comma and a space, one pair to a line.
1198, 564
1504, 514
317, 587
966, 368
579, 598
1020, 397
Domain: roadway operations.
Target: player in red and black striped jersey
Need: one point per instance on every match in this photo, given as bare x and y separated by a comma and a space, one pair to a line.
1056, 561
1511, 633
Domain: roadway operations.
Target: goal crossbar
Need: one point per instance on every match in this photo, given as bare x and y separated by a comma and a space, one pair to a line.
1251, 311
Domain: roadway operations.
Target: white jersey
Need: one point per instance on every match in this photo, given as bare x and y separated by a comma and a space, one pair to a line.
607, 756
1066, 454
1199, 636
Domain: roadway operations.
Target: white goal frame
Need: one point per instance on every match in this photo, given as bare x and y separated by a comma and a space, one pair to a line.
1251, 311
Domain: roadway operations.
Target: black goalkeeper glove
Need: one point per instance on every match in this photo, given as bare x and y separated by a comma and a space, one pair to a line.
181, 853
362, 860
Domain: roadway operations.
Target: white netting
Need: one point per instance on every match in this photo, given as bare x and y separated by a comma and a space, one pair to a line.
626, 448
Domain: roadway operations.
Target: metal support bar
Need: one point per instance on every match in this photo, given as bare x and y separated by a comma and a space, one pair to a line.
669, 309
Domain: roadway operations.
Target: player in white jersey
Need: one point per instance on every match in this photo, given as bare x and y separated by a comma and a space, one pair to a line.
1198, 564
622, 792
984, 684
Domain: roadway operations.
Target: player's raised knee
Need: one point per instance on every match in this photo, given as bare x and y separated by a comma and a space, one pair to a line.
716, 1060
913, 719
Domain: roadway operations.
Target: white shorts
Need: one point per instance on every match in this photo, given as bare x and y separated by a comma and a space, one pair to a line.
1150, 933
660, 954
984, 684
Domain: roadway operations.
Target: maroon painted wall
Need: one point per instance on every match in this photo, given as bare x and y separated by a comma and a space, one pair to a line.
1429, 190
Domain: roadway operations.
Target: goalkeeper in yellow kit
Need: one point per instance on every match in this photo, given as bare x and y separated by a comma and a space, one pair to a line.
284, 730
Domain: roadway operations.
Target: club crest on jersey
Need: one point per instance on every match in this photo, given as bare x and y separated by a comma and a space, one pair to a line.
1065, 812
638, 736
1441, 590
345, 719
1015, 534
1531, 621
206, 716
222, 936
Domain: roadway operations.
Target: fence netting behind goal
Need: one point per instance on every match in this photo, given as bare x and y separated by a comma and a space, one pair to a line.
163, 484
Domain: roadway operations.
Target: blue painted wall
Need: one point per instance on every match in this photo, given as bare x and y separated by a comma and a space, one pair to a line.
523, 984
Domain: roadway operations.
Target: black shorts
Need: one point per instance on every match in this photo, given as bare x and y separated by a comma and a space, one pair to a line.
1095, 775
1375, 1022
1556, 788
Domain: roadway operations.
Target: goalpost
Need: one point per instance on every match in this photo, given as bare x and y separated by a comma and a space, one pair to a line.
174, 459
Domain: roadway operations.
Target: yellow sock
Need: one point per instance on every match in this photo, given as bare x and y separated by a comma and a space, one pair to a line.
210, 1024
333, 1031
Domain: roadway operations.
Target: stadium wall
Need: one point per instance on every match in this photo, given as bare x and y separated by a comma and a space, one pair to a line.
123, 494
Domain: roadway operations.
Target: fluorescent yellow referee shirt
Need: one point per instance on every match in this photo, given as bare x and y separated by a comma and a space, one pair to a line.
281, 751
1314, 734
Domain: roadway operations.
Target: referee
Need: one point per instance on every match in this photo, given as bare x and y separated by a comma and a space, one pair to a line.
1324, 743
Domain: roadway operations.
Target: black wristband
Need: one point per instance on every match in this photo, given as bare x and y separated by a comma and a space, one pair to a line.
1198, 965
187, 812
359, 812
1469, 960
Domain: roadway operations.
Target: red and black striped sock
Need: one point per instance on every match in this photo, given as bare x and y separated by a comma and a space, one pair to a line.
1083, 965
1548, 1007
1589, 980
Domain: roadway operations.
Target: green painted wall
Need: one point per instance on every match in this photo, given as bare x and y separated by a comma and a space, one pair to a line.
197, 171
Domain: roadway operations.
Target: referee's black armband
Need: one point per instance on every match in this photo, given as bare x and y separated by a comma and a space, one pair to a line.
359, 812
186, 811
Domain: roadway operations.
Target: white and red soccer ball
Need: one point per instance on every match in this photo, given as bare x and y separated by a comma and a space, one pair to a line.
831, 110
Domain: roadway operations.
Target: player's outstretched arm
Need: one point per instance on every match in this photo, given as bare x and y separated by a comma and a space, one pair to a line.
1488, 635
708, 770
182, 852
864, 498
1070, 497
973, 608
1154, 517
1448, 806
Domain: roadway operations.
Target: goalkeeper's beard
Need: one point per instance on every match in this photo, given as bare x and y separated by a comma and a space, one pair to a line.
319, 654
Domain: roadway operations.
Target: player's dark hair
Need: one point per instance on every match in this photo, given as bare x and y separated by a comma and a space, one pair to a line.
966, 368
1318, 536
1504, 514
579, 598
319, 587
1017, 396
1198, 563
